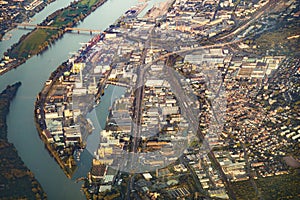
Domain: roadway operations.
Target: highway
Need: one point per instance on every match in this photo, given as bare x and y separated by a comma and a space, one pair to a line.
139, 92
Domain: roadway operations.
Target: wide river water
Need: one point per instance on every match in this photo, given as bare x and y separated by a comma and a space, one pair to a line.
21, 128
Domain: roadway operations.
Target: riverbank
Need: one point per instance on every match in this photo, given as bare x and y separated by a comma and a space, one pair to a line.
39, 40
33, 74
39, 113
16, 180
62, 149
24, 14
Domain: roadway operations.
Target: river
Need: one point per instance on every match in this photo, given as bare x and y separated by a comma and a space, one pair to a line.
21, 128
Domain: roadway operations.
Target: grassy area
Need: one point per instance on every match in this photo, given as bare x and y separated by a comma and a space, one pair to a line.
33, 43
270, 188
277, 41
89, 3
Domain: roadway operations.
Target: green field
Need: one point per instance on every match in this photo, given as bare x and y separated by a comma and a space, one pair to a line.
33, 42
89, 3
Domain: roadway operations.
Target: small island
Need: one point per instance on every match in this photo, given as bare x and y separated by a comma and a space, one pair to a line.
16, 180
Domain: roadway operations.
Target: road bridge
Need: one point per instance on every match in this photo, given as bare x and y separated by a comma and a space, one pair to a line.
117, 83
79, 30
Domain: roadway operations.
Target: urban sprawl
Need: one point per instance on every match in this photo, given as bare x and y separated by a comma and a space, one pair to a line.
200, 111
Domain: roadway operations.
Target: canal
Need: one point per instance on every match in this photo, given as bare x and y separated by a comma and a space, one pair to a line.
33, 74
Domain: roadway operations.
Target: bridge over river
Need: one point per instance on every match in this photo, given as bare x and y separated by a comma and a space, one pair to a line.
79, 30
